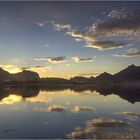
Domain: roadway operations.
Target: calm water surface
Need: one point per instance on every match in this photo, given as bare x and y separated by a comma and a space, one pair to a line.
35, 113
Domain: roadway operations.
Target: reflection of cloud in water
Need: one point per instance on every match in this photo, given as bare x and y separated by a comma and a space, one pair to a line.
130, 115
11, 99
78, 109
104, 129
36, 100
106, 123
52, 108
8, 130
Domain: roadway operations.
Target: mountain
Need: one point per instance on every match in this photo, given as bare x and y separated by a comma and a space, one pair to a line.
21, 76
131, 73
104, 78
79, 79
91, 79
54, 81
25, 76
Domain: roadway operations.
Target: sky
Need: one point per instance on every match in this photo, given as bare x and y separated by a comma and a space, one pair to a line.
64, 39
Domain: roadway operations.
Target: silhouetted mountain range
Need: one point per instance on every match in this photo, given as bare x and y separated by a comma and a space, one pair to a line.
131, 74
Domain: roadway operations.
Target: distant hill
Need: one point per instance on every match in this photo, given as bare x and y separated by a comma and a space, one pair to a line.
104, 78
54, 81
79, 79
25, 76
21, 76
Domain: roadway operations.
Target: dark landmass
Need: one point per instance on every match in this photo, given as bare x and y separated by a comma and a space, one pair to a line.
21, 76
129, 76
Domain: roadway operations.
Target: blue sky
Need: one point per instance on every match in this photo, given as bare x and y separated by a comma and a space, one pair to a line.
63, 39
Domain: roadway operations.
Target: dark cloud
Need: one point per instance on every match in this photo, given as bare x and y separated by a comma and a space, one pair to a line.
52, 59
105, 45
39, 66
51, 108
132, 53
121, 22
78, 109
61, 58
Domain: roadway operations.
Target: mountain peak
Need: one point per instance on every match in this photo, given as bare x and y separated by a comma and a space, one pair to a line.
105, 73
132, 66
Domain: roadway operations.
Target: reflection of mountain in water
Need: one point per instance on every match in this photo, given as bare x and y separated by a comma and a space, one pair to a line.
25, 92
132, 95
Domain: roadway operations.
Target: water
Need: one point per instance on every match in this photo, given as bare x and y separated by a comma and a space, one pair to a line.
69, 113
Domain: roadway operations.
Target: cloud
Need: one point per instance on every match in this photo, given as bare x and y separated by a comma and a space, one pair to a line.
118, 29
106, 123
90, 38
122, 22
43, 71
132, 116
129, 53
106, 45
46, 45
78, 109
59, 27
11, 68
11, 99
128, 114
121, 13
52, 108
93, 42
103, 129
132, 53
78, 59
36, 100
41, 24
52, 59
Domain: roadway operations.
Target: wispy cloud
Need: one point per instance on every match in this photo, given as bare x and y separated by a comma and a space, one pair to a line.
78, 59
129, 53
52, 59
78, 109
89, 37
90, 74
51, 108
41, 24
59, 27
126, 113
106, 45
